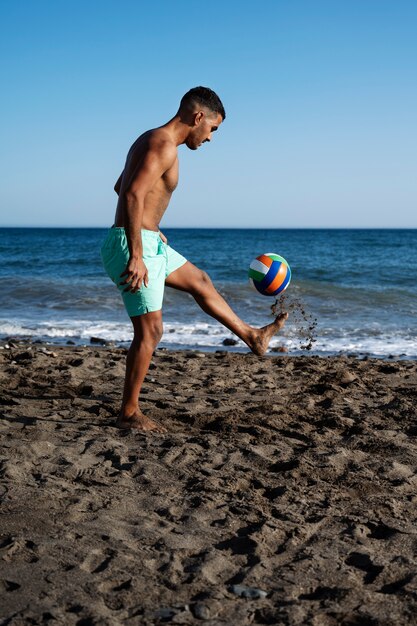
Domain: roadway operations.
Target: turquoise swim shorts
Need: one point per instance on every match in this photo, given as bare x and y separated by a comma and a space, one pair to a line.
160, 259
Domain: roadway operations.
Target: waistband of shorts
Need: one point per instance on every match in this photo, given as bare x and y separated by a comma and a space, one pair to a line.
148, 234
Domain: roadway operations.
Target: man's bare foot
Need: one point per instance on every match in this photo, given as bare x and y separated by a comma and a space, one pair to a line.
263, 336
139, 421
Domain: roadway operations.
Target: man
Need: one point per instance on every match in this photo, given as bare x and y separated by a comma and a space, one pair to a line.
139, 260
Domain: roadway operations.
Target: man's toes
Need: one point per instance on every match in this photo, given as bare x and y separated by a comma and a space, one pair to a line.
281, 319
156, 427
159, 428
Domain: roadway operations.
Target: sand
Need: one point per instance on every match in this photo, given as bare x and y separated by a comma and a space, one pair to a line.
284, 492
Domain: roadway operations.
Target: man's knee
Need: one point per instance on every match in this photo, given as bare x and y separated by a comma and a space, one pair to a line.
149, 328
202, 283
156, 330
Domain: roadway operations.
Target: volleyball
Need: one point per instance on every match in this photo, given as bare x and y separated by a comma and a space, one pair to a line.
270, 274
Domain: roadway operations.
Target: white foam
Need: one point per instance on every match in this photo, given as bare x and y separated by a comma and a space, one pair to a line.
210, 335
68, 329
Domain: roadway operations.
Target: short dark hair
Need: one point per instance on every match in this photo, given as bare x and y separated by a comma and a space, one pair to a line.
204, 97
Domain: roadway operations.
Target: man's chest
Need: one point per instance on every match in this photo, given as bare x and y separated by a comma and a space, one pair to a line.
170, 177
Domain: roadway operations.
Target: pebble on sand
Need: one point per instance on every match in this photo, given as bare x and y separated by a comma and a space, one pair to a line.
248, 592
99, 340
229, 341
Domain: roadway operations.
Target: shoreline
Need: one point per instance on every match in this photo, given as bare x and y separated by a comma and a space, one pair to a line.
284, 491
98, 342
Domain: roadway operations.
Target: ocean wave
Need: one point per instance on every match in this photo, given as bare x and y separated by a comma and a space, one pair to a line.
99, 297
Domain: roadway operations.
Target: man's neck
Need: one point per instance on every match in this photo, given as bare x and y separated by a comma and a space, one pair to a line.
177, 129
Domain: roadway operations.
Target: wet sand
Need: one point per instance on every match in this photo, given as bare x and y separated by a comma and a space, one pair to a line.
284, 492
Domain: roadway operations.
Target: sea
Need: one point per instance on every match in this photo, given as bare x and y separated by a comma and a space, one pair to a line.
352, 292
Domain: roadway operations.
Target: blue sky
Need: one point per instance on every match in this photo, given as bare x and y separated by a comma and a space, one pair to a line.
320, 96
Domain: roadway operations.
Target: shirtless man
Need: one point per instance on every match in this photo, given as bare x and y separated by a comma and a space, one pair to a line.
139, 260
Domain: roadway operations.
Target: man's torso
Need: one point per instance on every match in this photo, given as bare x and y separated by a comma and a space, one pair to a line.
157, 199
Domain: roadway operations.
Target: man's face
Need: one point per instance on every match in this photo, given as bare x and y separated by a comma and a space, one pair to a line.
205, 124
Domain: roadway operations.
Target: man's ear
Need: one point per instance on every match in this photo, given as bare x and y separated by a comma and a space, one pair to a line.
198, 118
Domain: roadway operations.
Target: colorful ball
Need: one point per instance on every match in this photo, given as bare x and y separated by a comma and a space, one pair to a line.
270, 274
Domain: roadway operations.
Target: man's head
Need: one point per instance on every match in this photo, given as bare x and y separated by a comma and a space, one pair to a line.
202, 110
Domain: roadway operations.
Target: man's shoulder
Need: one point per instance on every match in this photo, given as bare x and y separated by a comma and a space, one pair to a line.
160, 139
162, 147
154, 145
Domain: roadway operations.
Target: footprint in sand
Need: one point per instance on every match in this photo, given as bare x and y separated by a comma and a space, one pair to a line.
363, 562
97, 561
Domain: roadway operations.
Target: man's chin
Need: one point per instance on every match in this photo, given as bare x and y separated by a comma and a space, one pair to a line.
192, 146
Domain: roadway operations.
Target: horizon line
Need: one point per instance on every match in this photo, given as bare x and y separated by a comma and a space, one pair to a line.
55, 227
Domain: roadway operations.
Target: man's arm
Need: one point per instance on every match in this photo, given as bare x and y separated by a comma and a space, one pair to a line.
156, 162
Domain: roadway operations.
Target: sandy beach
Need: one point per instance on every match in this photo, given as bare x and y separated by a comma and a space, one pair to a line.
284, 492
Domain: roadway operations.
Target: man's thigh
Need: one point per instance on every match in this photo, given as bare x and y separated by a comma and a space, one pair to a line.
185, 278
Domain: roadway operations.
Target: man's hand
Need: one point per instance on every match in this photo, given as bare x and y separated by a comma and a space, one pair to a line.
136, 272
162, 236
